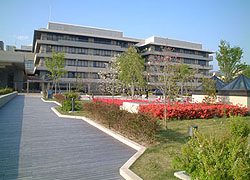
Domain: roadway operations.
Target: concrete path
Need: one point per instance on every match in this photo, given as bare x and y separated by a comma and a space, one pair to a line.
36, 144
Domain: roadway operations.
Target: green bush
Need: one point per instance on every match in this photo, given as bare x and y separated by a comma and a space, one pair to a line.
70, 95
5, 91
213, 158
137, 126
67, 106
239, 127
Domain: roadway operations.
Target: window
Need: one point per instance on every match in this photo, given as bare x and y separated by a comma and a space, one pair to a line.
98, 64
102, 41
71, 74
189, 61
94, 76
70, 62
202, 62
82, 63
158, 48
83, 39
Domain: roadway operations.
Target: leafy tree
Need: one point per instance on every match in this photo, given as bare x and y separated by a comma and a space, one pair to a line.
229, 60
185, 75
55, 66
209, 88
246, 72
131, 68
162, 71
109, 82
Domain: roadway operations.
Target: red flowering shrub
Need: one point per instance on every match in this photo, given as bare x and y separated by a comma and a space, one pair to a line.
117, 102
193, 111
59, 98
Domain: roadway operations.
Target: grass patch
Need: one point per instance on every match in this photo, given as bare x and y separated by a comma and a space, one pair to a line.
156, 162
75, 113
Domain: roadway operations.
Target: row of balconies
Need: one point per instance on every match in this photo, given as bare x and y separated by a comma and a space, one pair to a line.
177, 55
79, 44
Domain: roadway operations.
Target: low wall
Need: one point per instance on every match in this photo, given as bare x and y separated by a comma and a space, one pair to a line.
235, 100
130, 107
6, 98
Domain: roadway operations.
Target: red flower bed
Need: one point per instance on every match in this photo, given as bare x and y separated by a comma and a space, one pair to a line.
193, 111
117, 102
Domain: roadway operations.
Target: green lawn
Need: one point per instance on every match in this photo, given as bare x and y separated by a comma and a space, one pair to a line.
155, 163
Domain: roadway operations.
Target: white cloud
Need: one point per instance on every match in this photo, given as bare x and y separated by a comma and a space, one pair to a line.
22, 37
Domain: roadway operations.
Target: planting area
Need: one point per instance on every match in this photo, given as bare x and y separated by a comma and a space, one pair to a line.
156, 162
5, 91
182, 110
146, 128
193, 110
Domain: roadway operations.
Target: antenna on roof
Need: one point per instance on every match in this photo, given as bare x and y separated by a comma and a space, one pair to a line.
50, 13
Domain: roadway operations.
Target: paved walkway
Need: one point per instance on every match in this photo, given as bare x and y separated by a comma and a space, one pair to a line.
36, 144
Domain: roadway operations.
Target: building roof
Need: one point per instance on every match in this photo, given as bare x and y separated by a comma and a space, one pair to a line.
219, 84
240, 83
160, 41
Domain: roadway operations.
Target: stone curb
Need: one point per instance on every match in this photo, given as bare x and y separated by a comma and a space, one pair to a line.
4, 99
124, 171
182, 175
52, 102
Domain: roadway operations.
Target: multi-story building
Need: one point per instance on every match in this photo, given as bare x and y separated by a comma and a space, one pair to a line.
10, 48
14, 69
87, 51
182, 51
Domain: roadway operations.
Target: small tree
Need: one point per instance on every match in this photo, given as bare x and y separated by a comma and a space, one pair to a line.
163, 76
185, 75
131, 68
209, 88
55, 66
109, 78
229, 60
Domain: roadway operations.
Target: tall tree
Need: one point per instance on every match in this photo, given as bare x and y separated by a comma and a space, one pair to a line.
229, 60
55, 66
131, 68
246, 72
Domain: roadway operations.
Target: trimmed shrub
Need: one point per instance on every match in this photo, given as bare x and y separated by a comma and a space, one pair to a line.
70, 95
193, 111
67, 106
213, 158
59, 98
67, 101
5, 91
239, 128
139, 126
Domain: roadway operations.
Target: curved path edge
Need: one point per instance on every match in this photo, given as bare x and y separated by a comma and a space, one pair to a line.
124, 171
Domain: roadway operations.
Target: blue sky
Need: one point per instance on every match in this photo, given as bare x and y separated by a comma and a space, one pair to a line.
206, 22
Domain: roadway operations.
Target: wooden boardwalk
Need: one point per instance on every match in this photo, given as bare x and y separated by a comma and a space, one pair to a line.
36, 144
